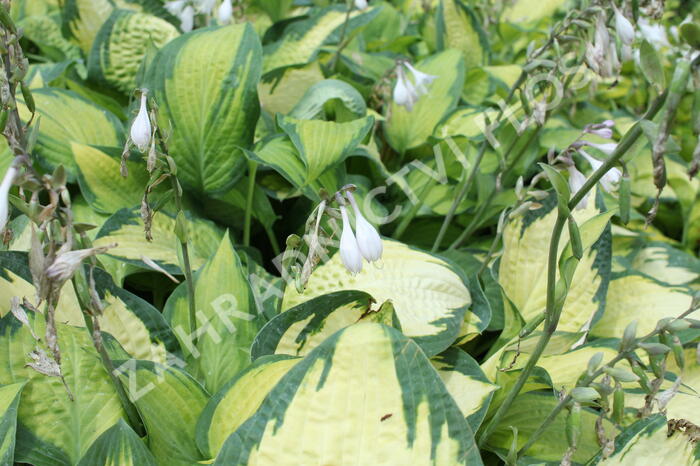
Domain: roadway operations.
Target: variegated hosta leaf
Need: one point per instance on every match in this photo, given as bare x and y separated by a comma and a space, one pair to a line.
311, 104
408, 129
169, 402
523, 266
280, 154
9, 402
635, 296
323, 144
470, 388
45, 32
83, 18
528, 12
238, 400
651, 441
429, 294
302, 328
395, 409
527, 413
121, 44
656, 259
138, 327
226, 319
52, 429
125, 228
302, 40
207, 96
101, 182
459, 28
118, 445
16, 280
67, 119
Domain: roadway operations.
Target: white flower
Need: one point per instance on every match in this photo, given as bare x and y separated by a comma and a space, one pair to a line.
349, 250
605, 133
608, 148
654, 33
187, 19
623, 26
611, 179
205, 6
421, 80
576, 181
404, 92
141, 127
175, 7
360, 4
225, 12
4, 194
368, 239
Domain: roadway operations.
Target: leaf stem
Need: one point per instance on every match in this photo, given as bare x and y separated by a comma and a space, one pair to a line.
252, 170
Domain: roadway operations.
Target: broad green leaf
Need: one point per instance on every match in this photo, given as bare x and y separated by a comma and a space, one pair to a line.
169, 402
226, 318
122, 43
527, 413
44, 74
314, 101
324, 144
651, 441
118, 445
302, 328
302, 40
405, 130
207, 96
429, 295
458, 28
105, 189
9, 401
52, 429
16, 280
280, 94
238, 400
660, 261
45, 32
67, 119
523, 266
633, 296
395, 406
83, 19
463, 378
650, 64
527, 12
125, 228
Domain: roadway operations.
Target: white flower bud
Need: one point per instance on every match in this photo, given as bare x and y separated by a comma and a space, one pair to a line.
349, 250
225, 12
175, 7
605, 133
623, 26
576, 182
421, 80
4, 195
141, 127
368, 239
205, 6
360, 4
404, 92
187, 19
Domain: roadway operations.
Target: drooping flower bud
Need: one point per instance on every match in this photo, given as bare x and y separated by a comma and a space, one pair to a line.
421, 80
141, 127
4, 195
605, 133
404, 92
65, 264
187, 19
225, 12
623, 26
349, 250
360, 4
576, 182
368, 239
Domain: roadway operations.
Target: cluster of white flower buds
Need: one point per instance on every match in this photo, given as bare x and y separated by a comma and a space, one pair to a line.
406, 93
611, 179
365, 242
601, 55
186, 10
